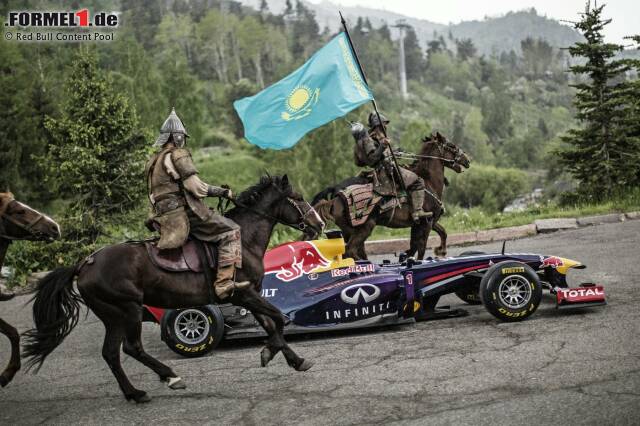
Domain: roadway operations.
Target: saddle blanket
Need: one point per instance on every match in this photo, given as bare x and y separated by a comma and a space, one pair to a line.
362, 199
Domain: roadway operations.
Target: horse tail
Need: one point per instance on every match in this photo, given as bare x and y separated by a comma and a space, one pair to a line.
56, 310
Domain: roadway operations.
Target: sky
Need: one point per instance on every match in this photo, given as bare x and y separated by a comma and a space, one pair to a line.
625, 13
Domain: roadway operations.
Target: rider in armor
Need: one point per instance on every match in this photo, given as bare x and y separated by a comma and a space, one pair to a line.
373, 149
176, 193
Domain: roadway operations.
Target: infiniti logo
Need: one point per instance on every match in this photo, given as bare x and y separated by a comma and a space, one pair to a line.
353, 293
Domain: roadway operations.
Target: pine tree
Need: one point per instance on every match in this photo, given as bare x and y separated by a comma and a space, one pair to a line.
12, 116
600, 147
630, 93
96, 155
415, 62
465, 49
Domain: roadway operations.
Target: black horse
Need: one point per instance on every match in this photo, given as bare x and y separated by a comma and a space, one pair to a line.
19, 222
121, 278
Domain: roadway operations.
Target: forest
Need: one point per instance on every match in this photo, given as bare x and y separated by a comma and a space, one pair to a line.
78, 119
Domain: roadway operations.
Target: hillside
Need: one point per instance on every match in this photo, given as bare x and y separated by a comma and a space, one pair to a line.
504, 33
491, 35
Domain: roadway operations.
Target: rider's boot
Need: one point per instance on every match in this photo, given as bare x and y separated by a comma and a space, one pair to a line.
225, 285
417, 200
6, 295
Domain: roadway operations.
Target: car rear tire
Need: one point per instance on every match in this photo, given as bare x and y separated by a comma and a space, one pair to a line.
470, 292
193, 332
511, 291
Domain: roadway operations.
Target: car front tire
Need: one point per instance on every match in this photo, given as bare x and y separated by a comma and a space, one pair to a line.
510, 291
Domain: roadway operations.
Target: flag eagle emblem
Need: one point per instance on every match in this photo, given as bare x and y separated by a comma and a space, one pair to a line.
299, 103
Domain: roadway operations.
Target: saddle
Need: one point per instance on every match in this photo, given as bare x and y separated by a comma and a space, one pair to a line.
362, 199
183, 258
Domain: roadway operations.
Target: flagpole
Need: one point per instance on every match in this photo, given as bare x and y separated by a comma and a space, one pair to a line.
373, 101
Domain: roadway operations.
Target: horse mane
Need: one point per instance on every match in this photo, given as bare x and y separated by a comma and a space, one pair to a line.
5, 199
253, 194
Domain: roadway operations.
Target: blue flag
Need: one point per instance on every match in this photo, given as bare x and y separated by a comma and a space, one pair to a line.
326, 87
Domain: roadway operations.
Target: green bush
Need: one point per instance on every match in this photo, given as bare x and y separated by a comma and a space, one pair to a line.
488, 187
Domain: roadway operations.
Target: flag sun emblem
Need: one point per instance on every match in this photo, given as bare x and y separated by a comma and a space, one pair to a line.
299, 103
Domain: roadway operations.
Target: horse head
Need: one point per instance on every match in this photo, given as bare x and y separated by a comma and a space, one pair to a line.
21, 222
437, 146
274, 197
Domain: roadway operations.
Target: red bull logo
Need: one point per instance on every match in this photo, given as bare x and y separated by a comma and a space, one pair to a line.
552, 262
293, 260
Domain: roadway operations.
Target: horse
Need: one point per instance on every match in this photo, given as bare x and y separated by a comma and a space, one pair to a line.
436, 154
117, 280
19, 222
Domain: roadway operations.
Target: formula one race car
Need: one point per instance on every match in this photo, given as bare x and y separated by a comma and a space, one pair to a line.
318, 290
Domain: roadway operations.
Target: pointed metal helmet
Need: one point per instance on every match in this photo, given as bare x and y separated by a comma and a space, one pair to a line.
172, 125
374, 122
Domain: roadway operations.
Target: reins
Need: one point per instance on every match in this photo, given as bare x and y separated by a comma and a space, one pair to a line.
441, 146
300, 226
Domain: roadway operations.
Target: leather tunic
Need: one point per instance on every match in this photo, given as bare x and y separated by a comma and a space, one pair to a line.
372, 152
169, 200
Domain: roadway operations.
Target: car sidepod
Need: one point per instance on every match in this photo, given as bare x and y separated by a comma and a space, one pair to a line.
349, 297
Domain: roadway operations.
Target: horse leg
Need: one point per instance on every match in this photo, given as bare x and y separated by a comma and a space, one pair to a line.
113, 338
362, 252
416, 241
274, 345
425, 238
14, 362
272, 320
356, 242
441, 251
277, 342
133, 347
114, 320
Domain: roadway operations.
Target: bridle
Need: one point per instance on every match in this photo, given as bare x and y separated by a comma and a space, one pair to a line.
301, 226
442, 146
28, 227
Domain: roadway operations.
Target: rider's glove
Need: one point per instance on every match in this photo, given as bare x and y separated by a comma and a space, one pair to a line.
216, 191
358, 130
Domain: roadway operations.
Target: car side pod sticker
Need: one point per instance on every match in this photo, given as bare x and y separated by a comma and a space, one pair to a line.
357, 292
291, 261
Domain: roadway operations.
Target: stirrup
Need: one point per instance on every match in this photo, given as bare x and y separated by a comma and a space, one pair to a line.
417, 215
242, 285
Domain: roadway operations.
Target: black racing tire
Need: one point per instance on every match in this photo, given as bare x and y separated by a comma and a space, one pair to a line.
193, 332
510, 291
470, 292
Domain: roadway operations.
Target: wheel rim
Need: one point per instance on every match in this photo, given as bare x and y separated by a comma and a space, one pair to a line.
514, 291
191, 326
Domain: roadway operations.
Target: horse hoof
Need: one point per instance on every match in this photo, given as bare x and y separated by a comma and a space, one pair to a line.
305, 365
265, 357
176, 383
3, 381
139, 397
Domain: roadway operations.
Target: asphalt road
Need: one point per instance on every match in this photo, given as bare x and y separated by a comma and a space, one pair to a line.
554, 368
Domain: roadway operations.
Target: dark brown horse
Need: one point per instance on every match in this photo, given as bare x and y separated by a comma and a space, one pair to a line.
19, 222
119, 279
436, 154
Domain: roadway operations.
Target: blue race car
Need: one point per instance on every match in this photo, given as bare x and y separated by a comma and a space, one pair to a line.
319, 290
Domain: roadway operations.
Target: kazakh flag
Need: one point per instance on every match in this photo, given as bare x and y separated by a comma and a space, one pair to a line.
326, 87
